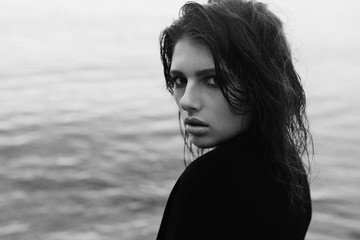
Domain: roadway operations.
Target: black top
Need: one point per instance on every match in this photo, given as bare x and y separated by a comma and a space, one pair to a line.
231, 193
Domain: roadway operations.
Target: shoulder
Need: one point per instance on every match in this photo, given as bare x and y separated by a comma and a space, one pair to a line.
235, 163
235, 175
208, 169
229, 187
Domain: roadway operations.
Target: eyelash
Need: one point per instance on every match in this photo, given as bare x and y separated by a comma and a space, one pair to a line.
176, 79
206, 80
214, 80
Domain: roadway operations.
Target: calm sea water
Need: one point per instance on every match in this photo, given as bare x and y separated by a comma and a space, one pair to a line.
89, 143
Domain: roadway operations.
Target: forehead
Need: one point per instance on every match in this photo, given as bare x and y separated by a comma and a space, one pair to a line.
190, 54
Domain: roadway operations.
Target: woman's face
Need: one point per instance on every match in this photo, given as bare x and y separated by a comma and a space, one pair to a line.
206, 113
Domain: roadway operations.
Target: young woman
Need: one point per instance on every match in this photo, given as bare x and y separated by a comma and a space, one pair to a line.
229, 67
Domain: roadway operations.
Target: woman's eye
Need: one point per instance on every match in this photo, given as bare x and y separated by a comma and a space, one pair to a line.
212, 81
180, 81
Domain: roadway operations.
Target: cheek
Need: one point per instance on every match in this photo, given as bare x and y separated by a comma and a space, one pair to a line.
177, 96
234, 122
238, 123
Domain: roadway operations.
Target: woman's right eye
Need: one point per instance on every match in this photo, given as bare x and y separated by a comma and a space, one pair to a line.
179, 81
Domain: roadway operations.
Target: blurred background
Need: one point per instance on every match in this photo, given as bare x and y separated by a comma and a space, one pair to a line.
89, 140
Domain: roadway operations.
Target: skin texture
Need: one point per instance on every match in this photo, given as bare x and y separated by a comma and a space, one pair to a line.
199, 97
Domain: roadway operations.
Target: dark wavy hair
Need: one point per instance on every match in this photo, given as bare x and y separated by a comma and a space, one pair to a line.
253, 59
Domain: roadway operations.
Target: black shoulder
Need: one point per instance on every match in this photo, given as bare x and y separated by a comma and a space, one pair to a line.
233, 165
229, 193
210, 170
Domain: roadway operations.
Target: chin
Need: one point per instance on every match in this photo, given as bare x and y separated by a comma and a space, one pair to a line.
201, 142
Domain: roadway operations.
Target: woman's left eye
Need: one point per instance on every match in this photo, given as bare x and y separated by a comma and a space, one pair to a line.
179, 81
212, 81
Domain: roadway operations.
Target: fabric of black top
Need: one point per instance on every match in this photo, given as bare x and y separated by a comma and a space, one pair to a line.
231, 193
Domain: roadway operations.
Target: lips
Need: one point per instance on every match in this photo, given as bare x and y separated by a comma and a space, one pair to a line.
195, 126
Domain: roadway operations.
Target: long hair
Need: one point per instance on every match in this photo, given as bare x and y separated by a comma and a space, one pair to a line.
254, 68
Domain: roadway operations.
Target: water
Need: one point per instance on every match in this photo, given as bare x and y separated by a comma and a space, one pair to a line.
89, 143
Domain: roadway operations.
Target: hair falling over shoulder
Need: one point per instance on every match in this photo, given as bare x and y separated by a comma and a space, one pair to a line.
255, 68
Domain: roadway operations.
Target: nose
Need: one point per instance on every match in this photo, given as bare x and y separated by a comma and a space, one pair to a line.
191, 99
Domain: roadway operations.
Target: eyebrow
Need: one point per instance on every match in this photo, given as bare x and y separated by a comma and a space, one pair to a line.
201, 73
